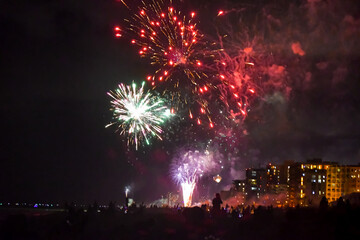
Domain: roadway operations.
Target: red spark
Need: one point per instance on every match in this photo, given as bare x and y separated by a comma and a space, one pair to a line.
201, 90
221, 12
211, 125
252, 90
243, 112
117, 28
148, 78
162, 15
190, 115
205, 88
118, 35
142, 12
222, 76
198, 63
236, 95
198, 121
133, 41
193, 14
202, 110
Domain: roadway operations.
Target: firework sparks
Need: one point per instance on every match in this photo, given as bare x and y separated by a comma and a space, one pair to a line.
188, 168
127, 190
137, 114
238, 86
171, 41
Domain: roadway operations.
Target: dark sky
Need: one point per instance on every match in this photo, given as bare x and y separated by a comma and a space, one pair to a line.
59, 58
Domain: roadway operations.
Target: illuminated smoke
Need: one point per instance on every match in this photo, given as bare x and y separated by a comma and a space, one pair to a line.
188, 167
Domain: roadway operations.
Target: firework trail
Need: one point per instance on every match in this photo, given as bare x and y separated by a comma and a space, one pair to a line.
137, 114
188, 167
172, 42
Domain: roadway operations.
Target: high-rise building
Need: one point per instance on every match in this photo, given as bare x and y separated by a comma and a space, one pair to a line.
255, 182
293, 183
307, 182
342, 180
239, 185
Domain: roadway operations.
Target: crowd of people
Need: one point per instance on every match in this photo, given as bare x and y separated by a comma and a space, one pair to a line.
213, 221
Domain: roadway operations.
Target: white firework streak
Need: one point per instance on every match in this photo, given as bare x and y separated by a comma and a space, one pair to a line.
138, 115
188, 168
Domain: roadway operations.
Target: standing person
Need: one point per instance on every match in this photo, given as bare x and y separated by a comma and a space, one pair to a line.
216, 204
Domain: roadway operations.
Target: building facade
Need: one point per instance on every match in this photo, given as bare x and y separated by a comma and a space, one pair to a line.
341, 181
255, 185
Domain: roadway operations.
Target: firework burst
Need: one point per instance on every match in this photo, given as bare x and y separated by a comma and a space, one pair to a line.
187, 168
138, 115
238, 87
172, 42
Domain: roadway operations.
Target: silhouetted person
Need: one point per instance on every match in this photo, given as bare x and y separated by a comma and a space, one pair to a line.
340, 203
216, 202
324, 204
234, 212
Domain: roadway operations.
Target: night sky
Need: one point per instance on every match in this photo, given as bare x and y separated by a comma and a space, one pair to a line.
59, 58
